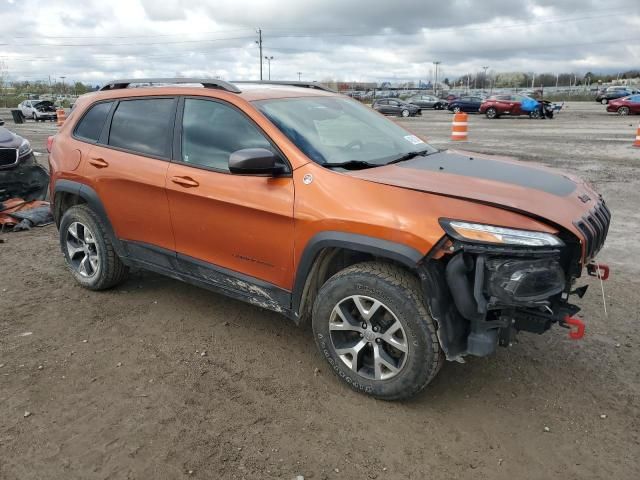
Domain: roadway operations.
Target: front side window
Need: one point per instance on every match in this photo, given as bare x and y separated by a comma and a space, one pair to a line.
143, 126
90, 126
212, 131
335, 130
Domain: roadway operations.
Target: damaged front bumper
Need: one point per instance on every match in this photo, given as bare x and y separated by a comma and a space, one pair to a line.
27, 180
483, 295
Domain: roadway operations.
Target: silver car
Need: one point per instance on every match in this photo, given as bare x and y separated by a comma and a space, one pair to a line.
38, 109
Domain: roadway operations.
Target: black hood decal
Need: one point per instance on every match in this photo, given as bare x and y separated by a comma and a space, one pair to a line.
494, 170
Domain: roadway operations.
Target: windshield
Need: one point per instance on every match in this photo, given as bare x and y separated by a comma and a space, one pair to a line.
335, 130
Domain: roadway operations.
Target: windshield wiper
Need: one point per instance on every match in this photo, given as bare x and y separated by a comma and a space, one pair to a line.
410, 155
351, 165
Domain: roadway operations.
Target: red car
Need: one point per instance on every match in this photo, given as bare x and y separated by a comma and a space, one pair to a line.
497, 105
625, 105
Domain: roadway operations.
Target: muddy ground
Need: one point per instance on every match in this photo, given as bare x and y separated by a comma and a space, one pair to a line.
118, 388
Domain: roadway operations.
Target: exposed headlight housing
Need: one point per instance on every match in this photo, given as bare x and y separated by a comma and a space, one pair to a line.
480, 233
25, 148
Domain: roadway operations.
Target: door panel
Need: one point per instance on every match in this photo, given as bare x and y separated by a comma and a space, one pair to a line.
240, 222
132, 190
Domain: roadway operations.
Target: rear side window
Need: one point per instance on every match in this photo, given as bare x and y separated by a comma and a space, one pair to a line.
143, 126
90, 126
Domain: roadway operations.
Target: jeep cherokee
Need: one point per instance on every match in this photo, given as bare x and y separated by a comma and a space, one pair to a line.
302, 201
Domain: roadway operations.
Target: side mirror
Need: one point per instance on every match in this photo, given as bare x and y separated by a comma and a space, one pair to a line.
254, 161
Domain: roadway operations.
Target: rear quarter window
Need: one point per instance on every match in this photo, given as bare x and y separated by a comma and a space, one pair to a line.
90, 126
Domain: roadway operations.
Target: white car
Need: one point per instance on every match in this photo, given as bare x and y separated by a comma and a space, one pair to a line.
38, 109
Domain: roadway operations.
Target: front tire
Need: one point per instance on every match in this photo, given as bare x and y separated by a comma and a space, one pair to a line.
405, 113
88, 252
372, 326
491, 113
623, 111
604, 101
457, 109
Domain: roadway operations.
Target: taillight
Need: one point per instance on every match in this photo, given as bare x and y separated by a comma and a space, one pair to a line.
50, 143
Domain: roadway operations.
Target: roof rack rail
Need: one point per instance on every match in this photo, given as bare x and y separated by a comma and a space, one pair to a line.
291, 83
205, 82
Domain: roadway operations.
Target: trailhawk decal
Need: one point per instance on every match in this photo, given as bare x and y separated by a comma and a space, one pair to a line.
494, 170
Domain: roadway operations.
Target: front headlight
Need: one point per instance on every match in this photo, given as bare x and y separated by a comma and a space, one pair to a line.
477, 232
25, 148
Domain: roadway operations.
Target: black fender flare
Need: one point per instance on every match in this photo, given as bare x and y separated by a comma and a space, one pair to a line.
408, 256
90, 196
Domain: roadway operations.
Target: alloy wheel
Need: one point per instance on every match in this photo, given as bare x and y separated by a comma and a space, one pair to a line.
623, 111
82, 249
405, 113
368, 337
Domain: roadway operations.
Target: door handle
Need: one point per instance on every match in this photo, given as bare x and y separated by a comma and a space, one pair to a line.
98, 162
185, 181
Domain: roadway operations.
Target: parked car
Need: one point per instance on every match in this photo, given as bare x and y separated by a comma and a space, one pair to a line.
465, 103
625, 105
39, 110
612, 93
428, 101
393, 106
298, 200
20, 175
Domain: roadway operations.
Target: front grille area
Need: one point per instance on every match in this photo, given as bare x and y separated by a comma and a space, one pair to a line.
8, 157
594, 226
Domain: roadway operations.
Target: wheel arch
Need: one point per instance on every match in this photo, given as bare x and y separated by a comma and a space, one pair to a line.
68, 193
329, 252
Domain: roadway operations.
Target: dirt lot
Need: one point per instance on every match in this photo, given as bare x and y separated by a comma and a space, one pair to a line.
118, 388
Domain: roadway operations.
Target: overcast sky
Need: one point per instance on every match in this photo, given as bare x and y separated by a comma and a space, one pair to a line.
368, 40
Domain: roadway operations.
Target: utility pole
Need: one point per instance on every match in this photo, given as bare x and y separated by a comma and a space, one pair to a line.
268, 59
259, 42
63, 77
435, 85
299, 74
484, 79
533, 79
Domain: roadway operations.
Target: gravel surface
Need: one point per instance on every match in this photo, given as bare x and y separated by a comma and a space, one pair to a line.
114, 385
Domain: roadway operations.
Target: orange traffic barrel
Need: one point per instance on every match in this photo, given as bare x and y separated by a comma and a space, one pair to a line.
637, 142
459, 127
61, 116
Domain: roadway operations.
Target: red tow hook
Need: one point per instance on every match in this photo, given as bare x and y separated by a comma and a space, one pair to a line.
598, 270
575, 333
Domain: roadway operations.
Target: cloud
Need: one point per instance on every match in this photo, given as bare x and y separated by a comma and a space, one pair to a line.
371, 40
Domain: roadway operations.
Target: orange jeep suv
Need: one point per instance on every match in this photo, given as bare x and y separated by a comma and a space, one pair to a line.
299, 200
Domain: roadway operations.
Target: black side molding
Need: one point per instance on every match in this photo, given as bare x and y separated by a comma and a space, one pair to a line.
90, 196
398, 252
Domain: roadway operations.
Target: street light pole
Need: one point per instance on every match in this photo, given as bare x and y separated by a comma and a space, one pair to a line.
435, 86
484, 79
299, 75
63, 84
259, 42
268, 59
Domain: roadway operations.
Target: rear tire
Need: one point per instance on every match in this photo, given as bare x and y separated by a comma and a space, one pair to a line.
88, 252
397, 349
457, 109
623, 111
491, 113
604, 101
405, 113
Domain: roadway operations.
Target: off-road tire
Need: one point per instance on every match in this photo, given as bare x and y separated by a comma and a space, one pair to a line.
400, 291
111, 271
